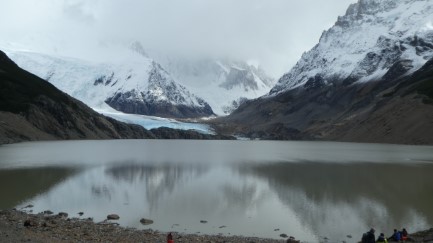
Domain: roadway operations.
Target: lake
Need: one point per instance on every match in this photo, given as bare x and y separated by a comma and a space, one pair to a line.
310, 190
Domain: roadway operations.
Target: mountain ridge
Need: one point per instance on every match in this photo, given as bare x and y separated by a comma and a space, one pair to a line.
365, 43
376, 97
33, 109
138, 85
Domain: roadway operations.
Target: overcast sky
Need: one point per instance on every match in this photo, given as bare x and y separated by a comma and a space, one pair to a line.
275, 33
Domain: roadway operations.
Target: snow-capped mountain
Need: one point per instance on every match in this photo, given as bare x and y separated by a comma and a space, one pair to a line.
367, 80
131, 84
375, 38
224, 84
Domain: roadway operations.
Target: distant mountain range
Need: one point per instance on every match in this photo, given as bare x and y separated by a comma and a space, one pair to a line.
33, 109
370, 78
135, 83
223, 83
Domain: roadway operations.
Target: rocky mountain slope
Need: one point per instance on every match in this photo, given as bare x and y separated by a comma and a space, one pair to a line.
368, 79
33, 109
373, 39
223, 83
133, 83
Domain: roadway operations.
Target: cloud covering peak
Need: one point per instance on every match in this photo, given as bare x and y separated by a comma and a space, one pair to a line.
273, 32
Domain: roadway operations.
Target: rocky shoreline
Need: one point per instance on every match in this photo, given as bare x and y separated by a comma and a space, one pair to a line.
19, 226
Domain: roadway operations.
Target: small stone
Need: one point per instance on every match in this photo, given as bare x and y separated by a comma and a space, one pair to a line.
48, 212
203, 221
284, 235
146, 221
276, 229
80, 213
63, 214
349, 236
113, 217
223, 226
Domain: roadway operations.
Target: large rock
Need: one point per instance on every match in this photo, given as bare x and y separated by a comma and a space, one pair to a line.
146, 221
113, 217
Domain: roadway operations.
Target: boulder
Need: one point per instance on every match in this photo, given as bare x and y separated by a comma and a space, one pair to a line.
113, 217
146, 221
48, 212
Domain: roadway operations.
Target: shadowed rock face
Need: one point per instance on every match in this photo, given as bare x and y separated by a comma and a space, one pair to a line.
127, 102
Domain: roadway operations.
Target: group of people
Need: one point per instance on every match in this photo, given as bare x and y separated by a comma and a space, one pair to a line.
397, 236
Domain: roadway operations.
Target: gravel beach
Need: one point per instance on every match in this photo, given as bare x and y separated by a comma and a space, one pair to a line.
18, 226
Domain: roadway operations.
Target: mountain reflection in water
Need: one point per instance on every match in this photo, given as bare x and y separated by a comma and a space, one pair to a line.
310, 190
384, 196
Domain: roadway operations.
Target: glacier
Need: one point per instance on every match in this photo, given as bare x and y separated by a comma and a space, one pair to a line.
91, 82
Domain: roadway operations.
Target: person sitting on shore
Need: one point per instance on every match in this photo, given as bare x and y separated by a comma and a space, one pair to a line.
396, 236
382, 238
404, 234
369, 237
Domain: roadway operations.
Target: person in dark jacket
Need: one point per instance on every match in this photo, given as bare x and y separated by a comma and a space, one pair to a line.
369, 237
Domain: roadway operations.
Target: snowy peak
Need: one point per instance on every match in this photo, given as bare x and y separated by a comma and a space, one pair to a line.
356, 11
138, 85
223, 83
373, 37
245, 76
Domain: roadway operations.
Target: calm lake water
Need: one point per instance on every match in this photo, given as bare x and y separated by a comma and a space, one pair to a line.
310, 190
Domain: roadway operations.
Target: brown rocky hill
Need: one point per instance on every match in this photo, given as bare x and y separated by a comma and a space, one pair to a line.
389, 110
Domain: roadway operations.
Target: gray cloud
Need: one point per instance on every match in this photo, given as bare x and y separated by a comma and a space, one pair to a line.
273, 32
